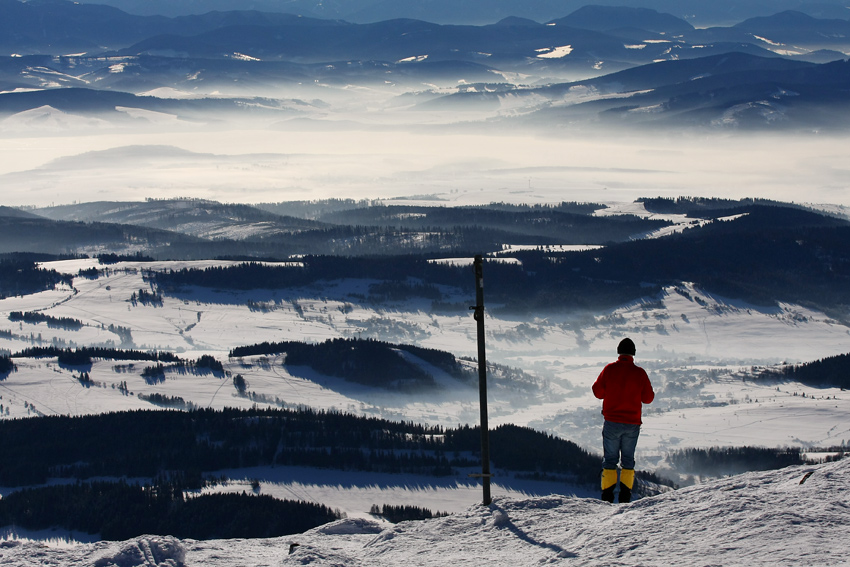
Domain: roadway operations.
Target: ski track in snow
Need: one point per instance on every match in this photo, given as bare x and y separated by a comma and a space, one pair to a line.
767, 518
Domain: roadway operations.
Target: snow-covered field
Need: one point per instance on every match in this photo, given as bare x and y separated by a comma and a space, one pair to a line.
698, 349
794, 516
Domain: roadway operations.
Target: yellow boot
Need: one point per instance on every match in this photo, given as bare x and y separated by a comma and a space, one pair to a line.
627, 481
609, 482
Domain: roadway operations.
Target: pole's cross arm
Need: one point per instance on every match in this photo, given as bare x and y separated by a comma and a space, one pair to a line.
479, 312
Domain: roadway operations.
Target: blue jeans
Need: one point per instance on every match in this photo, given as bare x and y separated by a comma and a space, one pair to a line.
619, 441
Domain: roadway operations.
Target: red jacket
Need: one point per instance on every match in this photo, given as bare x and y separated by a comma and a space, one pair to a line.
623, 387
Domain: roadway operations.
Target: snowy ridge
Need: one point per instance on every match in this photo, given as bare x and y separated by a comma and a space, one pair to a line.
797, 515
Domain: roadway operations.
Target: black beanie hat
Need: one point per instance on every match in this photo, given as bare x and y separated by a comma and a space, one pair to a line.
626, 346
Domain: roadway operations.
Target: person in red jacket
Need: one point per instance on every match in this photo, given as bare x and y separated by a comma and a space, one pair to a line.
623, 387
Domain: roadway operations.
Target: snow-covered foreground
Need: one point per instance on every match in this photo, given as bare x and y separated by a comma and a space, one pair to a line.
794, 516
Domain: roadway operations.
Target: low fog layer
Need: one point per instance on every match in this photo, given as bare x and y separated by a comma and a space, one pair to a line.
259, 165
574, 111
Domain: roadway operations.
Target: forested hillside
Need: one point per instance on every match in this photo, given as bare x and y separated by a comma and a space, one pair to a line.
368, 362
833, 371
19, 275
564, 224
119, 511
152, 443
198, 229
763, 254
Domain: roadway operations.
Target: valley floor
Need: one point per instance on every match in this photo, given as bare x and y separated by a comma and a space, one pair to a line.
699, 350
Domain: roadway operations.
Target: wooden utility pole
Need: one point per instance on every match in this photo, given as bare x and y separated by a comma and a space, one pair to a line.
482, 380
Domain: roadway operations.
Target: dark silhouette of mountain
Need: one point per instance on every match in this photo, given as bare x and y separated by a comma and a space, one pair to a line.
476, 12
243, 53
591, 40
516, 21
105, 104
733, 64
806, 97
56, 26
391, 40
728, 90
607, 18
511, 44
195, 217
76, 100
37, 234
329, 9
6, 212
792, 25
819, 56
697, 12
791, 31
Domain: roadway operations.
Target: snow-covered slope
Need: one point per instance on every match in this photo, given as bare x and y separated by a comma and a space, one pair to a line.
794, 516
697, 347
49, 119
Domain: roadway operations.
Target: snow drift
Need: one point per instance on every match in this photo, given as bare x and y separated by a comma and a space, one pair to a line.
797, 515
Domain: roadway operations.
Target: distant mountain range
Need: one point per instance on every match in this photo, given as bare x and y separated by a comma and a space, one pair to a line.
734, 89
785, 70
698, 12
730, 90
60, 27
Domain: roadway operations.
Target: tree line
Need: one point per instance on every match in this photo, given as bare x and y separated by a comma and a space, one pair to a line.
403, 513
20, 275
82, 356
364, 361
6, 365
112, 258
767, 254
310, 269
831, 371
562, 224
150, 443
702, 207
120, 511
33, 317
719, 461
